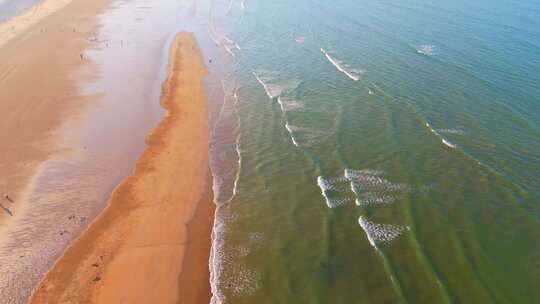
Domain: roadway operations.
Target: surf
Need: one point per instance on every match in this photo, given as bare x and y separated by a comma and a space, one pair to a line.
340, 66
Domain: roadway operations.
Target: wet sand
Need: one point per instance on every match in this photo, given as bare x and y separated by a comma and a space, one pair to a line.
155, 234
13, 27
37, 89
39, 94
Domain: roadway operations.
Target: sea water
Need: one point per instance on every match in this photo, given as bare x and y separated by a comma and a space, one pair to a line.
384, 151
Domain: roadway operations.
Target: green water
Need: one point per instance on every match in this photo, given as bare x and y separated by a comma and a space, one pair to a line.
420, 120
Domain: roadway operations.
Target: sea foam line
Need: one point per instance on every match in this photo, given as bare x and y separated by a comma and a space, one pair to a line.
444, 140
274, 83
338, 65
291, 130
371, 189
451, 131
218, 229
222, 40
271, 93
214, 264
325, 185
237, 146
288, 104
307, 136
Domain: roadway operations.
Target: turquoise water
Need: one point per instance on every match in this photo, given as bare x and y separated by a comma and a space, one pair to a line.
377, 152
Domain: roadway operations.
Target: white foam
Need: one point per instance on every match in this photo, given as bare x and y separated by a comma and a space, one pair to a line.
322, 185
225, 274
290, 129
340, 66
380, 233
367, 199
270, 91
244, 281
215, 263
217, 251
213, 35
426, 49
370, 188
302, 136
274, 83
448, 143
334, 184
238, 153
230, 41
288, 104
230, 45
350, 173
300, 39
451, 131
326, 185
444, 140
221, 39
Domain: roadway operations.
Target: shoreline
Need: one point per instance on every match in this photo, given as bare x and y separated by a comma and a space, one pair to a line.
41, 110
158, 219
27, 18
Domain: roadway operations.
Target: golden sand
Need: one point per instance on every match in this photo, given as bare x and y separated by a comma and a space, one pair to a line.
151, 244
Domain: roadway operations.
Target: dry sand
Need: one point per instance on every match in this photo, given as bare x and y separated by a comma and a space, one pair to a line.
151, 244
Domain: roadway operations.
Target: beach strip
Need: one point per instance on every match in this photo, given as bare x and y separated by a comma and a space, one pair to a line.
154, 237
15, 26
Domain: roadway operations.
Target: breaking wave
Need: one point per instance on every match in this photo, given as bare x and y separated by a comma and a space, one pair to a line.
443, 140
330, 190
221, 40
288, 104
224, 149
451, 131
370, 188
274, 83
305, 137
342, 67
426, 49
380, 233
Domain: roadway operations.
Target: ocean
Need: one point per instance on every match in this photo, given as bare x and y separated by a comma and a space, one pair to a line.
377, 152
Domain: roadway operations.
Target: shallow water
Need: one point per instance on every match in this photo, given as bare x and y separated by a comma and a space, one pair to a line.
11, 8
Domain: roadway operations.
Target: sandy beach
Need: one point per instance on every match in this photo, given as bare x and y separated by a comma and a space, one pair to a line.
75, 122
148, 239
32, 92
39, 94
